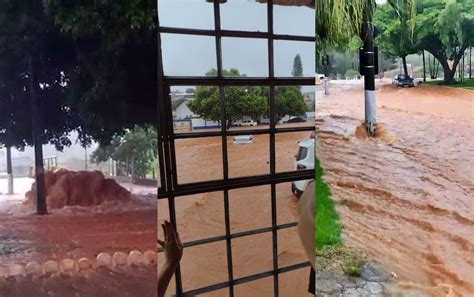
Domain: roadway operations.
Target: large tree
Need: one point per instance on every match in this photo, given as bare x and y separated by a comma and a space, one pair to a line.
240, 101
33, 48
445, 29
395, 21
113, 88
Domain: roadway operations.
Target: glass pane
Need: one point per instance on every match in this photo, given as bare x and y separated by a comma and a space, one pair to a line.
244, 15
248, 155
199, 159
200, 216
250, 208
262, 288
251, 255
188, 55
287, 211
290, 249
204, 265
295, 283
294, 151
195, 14
287, 54
245, 57
195, 109
295, 106
247, 107
293, 20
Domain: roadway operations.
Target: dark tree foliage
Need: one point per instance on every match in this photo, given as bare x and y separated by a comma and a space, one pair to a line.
94, 62
26, 32
114, 85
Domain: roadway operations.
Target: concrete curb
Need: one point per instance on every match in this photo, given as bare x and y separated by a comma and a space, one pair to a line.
68, 266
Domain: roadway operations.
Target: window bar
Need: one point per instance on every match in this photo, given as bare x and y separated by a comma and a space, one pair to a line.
235, 33
271, 75
223, 132
161, 120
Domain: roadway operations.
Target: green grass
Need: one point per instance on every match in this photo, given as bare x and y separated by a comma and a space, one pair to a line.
331, 253
466, 84
328, 229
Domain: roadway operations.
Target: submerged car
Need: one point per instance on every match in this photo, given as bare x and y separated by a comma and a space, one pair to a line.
296, 120
246, 123
303, 160
242, 139
402, 80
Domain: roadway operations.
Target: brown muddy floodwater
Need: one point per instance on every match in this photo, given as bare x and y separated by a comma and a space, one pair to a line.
201, 216
76, 232
405, 199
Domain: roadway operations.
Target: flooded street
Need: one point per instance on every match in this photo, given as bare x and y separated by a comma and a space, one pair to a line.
202, 216
76, 232
406, 198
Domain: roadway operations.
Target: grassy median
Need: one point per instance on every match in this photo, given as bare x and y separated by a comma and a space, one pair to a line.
328, 229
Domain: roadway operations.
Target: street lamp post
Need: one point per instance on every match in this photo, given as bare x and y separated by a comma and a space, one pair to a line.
9, 171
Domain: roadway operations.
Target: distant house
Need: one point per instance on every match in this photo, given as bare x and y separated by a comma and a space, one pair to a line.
181, 112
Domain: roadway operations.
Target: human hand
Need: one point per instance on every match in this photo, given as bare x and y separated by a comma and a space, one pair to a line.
172, 244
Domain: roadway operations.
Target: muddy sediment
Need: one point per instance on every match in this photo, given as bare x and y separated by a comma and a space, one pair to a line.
406, 202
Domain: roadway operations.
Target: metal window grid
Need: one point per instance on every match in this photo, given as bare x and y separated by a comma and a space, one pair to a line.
170, 189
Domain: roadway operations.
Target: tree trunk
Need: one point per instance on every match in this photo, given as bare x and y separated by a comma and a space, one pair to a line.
405, 68
41, 207
449, 74
424, 69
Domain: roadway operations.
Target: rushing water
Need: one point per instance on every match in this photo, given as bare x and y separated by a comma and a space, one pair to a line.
406, 199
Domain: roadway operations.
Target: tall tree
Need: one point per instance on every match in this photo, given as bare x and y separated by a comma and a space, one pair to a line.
444, 29
113, 88
297, 67
396, 21
240, 101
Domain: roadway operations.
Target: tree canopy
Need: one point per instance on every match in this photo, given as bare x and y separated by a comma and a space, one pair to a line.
138, 147
91, 63
445, 29
241, 101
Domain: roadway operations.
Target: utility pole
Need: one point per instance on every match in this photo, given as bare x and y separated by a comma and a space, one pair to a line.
41, 207
9, 170
85, 158
368, 69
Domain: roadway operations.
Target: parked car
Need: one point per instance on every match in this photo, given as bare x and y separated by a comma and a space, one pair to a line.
402, 80
246, 123
242, 139
295, 120
303, 160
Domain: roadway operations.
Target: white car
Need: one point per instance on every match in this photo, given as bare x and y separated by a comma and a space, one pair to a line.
246, 123
303, 160
242, 139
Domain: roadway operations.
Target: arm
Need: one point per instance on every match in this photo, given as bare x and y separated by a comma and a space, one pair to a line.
173, 253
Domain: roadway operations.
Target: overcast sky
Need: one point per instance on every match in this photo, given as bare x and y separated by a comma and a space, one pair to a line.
195, 55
